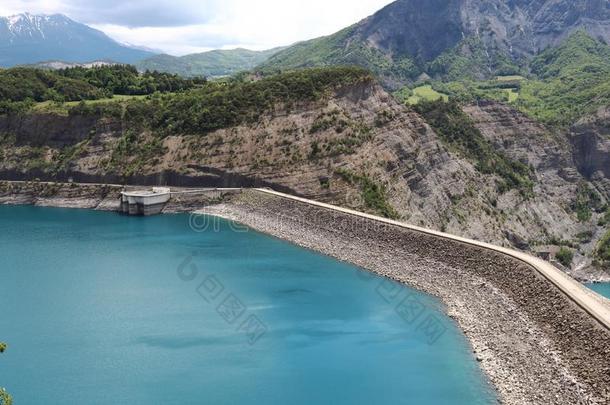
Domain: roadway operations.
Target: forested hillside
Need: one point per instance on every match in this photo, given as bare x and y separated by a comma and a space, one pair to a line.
216, 63
563, 83
333, 134
571, 80
21, 88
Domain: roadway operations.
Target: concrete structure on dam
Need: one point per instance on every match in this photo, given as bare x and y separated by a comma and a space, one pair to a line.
154, 201
145, 202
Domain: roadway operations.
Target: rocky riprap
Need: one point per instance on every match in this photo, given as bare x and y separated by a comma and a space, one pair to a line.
536, 346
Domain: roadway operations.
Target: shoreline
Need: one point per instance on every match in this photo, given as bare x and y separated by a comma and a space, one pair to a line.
518, 348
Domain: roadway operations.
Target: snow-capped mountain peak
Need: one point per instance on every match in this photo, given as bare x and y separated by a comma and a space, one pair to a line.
29, 38
33, 24
14, 20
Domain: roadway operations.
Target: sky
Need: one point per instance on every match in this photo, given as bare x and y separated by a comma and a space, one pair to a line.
179, 27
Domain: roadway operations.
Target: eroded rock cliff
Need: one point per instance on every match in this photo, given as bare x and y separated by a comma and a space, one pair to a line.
591, 140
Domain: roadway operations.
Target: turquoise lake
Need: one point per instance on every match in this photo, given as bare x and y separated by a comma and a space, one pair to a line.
99, 308
601, 288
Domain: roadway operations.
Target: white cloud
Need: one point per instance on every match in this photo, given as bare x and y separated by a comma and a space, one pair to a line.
9, 7
186, 26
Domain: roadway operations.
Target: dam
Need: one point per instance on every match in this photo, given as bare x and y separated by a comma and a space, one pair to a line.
538, 335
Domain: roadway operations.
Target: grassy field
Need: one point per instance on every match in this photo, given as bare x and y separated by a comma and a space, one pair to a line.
514, 78
469, 91
63, 108
513, 95
425, 93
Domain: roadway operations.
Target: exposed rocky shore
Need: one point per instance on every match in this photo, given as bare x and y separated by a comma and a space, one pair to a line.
102, 197
68, 195
535, 345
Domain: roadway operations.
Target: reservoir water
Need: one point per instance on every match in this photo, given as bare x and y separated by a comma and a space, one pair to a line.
601, 288
99, 308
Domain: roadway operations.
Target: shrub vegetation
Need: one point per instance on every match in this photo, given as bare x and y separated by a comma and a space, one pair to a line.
374, 194
217, 105
5, 398
602, 251
587, 200
125, 80
565, 256
457, 131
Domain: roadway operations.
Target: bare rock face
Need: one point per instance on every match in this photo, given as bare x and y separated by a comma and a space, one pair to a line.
591, 141
421, 30
525, 27
562, 163
548, 213
85, 196
424, 29
47, 129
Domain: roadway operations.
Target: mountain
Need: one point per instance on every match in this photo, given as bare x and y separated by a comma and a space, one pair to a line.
455, 38
28, 38
215, 63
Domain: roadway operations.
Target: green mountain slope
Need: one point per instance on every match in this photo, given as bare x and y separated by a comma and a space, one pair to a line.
472, 59
563, 84
573, 79
215, 63
342, 49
